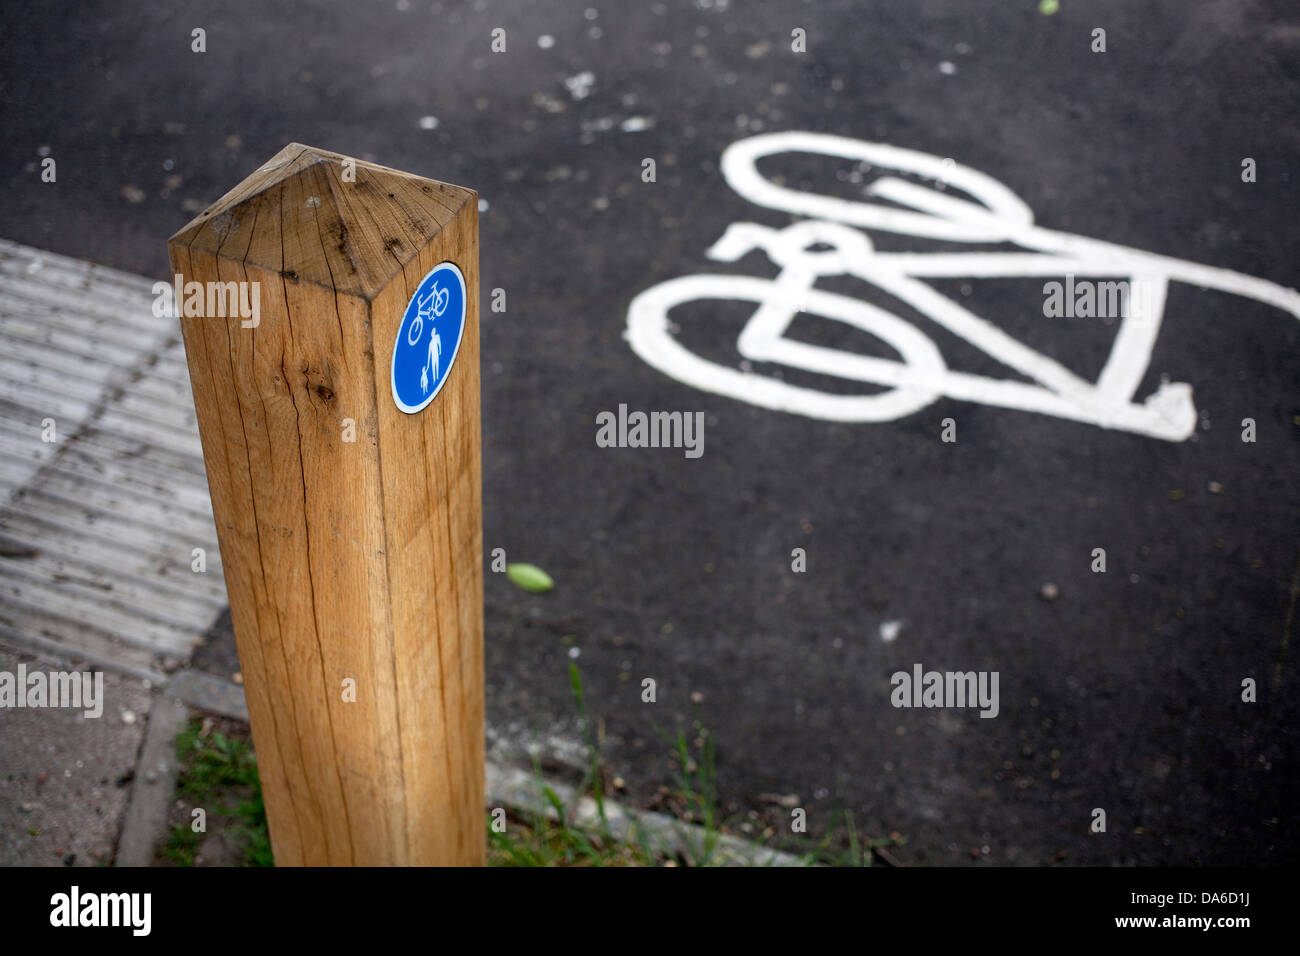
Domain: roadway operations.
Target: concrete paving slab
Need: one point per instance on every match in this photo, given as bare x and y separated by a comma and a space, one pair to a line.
65, 779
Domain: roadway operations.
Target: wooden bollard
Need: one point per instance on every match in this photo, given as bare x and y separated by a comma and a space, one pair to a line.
338, 405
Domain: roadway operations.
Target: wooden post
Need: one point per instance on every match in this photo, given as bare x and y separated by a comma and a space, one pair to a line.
350, 529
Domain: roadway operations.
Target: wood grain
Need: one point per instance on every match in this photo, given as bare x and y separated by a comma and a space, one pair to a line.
358, 560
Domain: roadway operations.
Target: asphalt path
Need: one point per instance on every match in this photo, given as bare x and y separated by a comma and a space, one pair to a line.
1119, 690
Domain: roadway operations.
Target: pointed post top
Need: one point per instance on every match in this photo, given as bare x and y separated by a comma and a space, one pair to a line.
346, 224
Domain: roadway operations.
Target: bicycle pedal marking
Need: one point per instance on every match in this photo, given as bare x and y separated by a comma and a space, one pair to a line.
833, 241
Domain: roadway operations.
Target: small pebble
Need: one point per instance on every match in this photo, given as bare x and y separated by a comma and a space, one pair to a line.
1049, 592
1216, 488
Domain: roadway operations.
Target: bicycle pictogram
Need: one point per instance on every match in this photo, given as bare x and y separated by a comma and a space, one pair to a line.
833, 242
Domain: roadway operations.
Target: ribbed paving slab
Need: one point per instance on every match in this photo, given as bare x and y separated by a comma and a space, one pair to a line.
99, 526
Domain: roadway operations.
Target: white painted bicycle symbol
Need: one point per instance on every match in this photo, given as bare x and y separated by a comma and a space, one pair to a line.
828, 245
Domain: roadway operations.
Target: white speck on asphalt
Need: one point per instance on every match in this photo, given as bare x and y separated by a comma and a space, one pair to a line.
580, 84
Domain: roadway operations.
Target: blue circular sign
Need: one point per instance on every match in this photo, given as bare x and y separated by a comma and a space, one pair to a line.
429, 337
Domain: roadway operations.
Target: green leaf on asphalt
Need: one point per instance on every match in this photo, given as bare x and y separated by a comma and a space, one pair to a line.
529, 577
